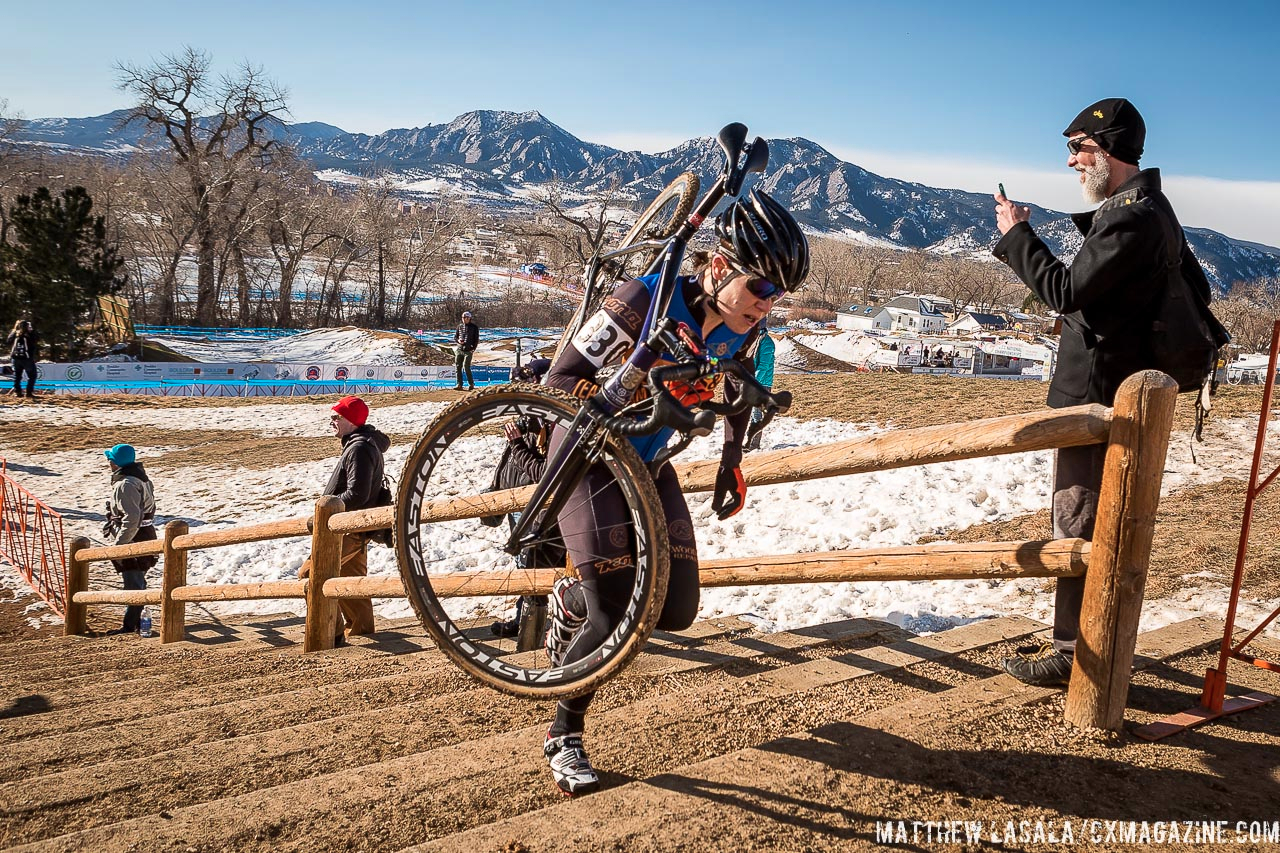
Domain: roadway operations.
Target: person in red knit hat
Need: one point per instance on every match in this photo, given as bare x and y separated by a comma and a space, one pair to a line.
356, 480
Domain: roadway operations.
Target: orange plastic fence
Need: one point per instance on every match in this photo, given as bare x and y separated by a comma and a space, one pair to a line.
33, 542
548, 280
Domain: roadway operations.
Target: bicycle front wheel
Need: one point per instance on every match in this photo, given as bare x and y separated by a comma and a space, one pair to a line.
451, 528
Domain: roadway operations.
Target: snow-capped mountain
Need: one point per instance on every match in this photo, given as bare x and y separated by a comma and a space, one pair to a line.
494, 157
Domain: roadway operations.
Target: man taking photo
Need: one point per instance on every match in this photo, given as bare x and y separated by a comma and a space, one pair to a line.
1106, 299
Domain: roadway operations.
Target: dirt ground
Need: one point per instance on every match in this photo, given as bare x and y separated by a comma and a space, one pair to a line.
859, 761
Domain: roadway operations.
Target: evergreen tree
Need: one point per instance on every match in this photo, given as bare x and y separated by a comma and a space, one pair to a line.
57, 266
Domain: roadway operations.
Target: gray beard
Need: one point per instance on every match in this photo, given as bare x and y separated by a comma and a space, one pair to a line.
1096, 178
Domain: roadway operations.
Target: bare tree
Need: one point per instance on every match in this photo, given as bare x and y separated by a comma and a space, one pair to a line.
831, 271
340, 254
216, 129
425, 236
1249, 311
378, 212
571, 234
158, 225
15, 169
299, 225
977, 284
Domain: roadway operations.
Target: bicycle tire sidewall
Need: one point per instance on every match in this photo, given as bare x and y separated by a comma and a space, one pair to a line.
650, 590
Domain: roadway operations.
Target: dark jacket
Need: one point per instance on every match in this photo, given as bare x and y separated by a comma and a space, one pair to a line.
467, 336
1105, 296
522, 464
358, 477
17, 342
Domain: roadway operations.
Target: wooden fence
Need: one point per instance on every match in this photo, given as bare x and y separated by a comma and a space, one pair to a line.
1136, 431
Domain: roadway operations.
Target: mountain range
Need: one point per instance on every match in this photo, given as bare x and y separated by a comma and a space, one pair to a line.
495, 157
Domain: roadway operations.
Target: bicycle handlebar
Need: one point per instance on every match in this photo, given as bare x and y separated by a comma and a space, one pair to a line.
667, 410
751, 394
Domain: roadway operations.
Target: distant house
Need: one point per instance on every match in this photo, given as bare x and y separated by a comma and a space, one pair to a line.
972, 322
914, 314
1029, 322
943, 306
858, 317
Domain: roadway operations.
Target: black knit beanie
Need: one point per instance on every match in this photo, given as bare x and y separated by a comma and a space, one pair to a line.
1116, 125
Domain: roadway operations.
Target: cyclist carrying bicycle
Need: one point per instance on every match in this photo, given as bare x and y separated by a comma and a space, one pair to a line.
761, 255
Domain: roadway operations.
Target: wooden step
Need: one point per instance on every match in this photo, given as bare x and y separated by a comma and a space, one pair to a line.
297, 672
701, 798
345, 688
376, 798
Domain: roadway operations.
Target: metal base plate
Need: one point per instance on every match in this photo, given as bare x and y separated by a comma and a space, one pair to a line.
1198, 715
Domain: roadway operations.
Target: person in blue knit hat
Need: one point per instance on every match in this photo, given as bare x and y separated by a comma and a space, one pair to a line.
131, 516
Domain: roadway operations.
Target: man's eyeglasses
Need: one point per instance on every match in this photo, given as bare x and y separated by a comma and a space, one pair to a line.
1075, 146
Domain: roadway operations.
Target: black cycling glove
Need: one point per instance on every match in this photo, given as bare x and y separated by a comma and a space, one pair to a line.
731, 489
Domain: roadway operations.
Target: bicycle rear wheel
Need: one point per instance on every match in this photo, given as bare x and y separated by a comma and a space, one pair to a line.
456, 573
658, 221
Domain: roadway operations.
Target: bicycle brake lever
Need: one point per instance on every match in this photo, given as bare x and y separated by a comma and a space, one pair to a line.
756, 161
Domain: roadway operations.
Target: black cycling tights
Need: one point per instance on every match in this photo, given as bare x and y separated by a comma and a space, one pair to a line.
598, 536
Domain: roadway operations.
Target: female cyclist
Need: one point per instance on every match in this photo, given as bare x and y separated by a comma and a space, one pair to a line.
761, 255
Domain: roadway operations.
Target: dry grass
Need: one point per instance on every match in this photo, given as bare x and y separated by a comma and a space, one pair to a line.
189, 447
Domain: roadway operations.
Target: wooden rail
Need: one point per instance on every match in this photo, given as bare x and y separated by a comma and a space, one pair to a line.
1137, 429
1054, 558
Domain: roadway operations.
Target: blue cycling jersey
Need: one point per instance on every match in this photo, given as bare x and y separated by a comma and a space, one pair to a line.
722, 342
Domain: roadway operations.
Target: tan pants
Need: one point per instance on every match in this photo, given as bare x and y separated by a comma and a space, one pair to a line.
357, 613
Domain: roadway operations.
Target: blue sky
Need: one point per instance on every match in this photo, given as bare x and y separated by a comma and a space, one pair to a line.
950, 94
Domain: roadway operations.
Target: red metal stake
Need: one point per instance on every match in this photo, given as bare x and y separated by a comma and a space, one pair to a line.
1213, 701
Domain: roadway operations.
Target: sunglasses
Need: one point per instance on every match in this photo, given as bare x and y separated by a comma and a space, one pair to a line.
1075, 146
760, 288
763, 289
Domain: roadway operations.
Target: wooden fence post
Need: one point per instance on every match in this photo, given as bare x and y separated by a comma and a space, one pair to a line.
76, 621
1117, 575
326, 560
173, 614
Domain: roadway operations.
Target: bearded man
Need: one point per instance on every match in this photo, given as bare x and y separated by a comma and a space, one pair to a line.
1103, 297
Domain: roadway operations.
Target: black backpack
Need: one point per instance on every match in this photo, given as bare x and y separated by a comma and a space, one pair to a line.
1185, 336
385, 497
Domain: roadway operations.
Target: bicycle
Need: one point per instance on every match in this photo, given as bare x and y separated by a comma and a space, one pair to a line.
445, 552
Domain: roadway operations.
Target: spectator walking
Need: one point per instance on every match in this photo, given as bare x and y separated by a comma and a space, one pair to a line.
467, 338
1105, 299
131, 513
357, 480
23, 345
